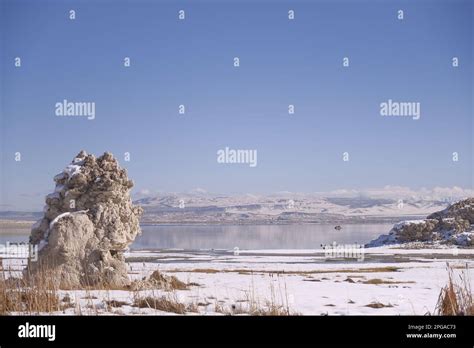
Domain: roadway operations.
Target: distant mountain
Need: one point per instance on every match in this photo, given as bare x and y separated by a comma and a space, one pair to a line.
281, 208
389, 205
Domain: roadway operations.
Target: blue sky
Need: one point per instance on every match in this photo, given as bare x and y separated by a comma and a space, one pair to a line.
283, 62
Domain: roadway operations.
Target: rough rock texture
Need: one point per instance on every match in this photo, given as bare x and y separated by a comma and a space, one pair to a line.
88, 222
462, 210
410, 231
453, 225
159, 281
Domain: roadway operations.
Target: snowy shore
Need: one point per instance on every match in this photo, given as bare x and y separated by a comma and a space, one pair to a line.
389, 280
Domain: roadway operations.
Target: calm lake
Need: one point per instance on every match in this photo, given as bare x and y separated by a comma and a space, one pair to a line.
255, 236
192, 237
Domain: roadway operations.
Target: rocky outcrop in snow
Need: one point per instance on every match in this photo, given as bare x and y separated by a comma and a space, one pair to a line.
453, 225
88, 222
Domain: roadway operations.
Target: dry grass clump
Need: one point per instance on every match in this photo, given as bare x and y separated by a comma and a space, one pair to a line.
267, 308
270, 308
276, 305
165, 304
116, 303
280, 272
378, 281
29, 296
257, 308
456, 297
378, 305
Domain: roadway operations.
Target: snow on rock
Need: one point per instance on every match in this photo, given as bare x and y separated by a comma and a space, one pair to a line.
89, 220
463, 239
56, 219
453, 225
72, 170
384, 239
463, 209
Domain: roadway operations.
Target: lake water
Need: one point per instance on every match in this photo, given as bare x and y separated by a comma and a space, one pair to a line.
192, 237
255, 236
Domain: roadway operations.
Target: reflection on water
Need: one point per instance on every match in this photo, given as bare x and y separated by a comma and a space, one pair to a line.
242, 237
254, 237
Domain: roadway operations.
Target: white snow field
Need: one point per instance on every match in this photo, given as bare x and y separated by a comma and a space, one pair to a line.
389, 281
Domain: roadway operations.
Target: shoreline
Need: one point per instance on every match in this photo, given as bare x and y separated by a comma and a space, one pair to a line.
9, 223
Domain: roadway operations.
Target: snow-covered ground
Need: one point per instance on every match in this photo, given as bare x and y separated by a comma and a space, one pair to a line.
401, 281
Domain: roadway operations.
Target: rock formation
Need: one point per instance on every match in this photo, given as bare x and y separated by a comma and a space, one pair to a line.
453, 225
88, 222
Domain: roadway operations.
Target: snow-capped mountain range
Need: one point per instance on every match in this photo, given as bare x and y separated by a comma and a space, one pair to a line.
338, 206
389, 204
